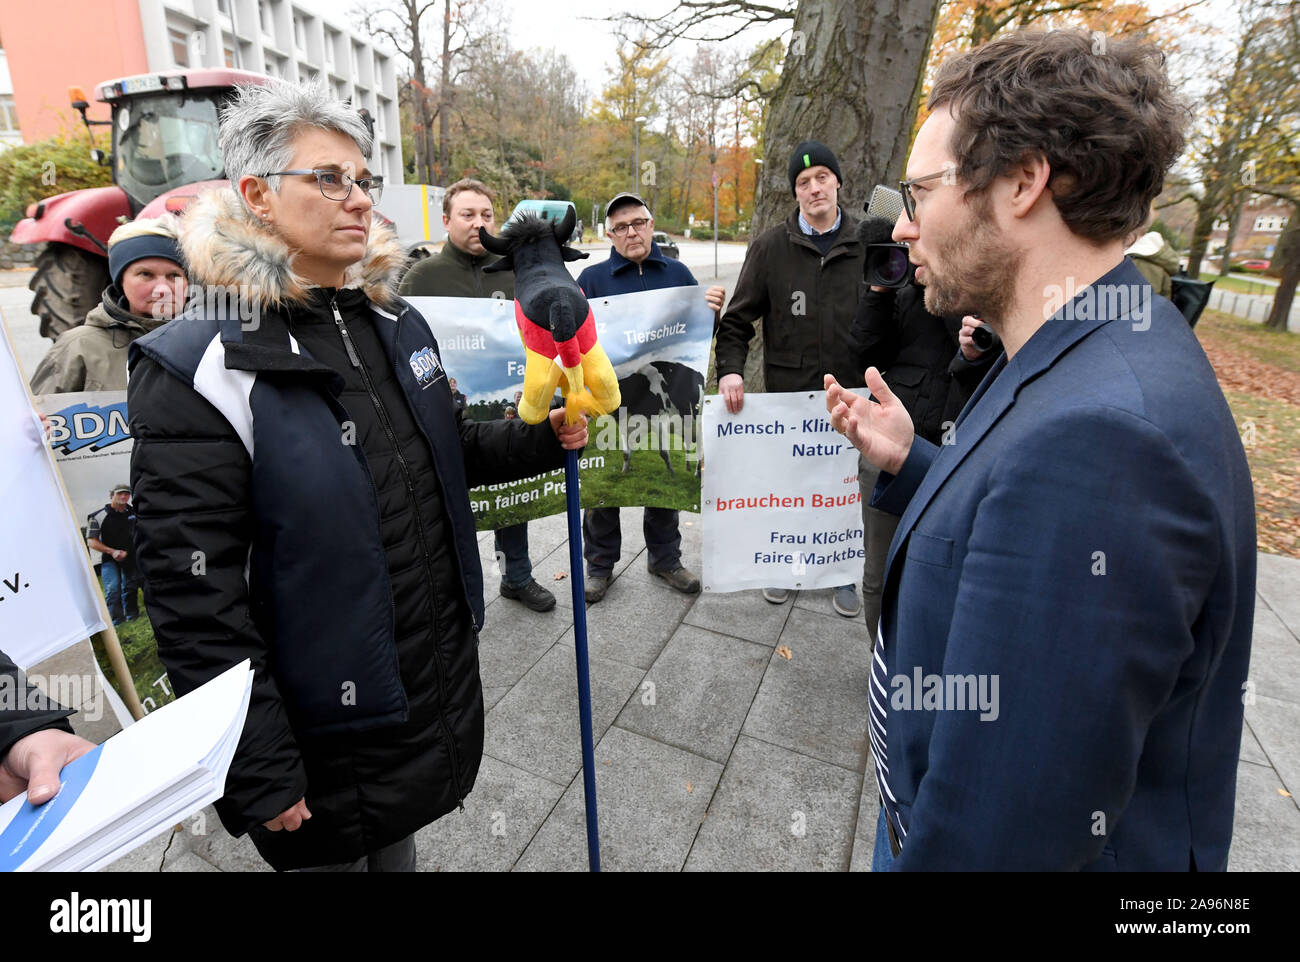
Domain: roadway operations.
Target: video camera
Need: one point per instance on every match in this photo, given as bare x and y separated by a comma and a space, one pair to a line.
887, 264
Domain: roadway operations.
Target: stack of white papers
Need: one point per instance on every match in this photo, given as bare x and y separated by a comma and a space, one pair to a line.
133, 787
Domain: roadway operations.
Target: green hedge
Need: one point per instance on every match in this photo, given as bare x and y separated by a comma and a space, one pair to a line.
33, 172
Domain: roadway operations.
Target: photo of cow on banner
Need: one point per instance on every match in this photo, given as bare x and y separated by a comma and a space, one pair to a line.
646, 452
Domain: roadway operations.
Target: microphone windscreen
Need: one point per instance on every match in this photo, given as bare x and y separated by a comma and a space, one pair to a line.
885, 202
875, 230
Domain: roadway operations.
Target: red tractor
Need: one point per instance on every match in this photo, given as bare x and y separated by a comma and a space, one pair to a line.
164, 130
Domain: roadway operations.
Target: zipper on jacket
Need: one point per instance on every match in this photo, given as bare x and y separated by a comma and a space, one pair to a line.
469, 603
424, 545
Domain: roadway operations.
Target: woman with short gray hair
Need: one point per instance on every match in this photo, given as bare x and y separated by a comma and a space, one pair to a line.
301, 475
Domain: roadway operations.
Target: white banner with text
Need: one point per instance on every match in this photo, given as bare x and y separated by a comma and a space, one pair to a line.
47, 591
781, 506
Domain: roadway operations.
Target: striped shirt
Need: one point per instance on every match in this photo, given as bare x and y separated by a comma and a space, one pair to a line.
879, 701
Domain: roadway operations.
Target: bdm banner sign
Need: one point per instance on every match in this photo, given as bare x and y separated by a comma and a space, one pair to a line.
91, 445
781, 501
645, 454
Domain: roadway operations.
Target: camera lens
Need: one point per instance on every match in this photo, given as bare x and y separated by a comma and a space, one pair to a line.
894, 267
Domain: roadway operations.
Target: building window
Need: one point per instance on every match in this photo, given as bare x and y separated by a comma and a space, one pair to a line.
8, 115
228, 51
264, 12
356, 68
223, 8
299, 33
329, 49
180, 41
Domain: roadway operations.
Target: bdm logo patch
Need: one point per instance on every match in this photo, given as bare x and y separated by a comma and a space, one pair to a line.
424, 363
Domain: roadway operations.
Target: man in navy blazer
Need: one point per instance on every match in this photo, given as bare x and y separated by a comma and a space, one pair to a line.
1063, 647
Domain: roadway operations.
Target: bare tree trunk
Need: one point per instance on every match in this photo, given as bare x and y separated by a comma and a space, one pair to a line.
444, 98
1200, 236
1225, 265
1288, 251
851, 79
420, 89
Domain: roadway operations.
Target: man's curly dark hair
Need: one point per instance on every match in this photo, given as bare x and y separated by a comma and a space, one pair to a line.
1100, 110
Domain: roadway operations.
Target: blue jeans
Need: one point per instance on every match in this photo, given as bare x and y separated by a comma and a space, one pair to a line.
120, 586
512, 547
882, 857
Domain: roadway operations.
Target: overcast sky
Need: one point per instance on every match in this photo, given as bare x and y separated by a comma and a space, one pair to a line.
590, 43
544, 24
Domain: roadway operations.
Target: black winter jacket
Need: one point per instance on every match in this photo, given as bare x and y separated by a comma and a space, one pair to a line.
28, 711
918, 355
302, 501
807, 302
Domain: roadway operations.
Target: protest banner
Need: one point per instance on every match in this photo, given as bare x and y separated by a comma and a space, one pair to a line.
781, 502
48, 598
91, 443
644, 454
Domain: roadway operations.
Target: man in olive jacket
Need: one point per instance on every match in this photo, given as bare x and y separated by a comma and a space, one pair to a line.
803, 278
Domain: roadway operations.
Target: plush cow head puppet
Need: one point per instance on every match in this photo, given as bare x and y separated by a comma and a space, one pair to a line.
554, 319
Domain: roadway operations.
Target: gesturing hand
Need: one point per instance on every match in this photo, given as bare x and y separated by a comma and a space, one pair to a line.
882, 432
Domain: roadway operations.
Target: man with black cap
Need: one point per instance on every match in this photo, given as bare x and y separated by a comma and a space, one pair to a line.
636, 264
111, 531
147, 290
803, 278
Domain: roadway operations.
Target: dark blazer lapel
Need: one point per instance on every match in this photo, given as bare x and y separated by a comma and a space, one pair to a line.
996, 393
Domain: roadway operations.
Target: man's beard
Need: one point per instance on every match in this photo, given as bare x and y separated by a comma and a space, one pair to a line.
979, 269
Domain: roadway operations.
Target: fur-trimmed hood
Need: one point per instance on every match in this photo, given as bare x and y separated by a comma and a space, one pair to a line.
225, 246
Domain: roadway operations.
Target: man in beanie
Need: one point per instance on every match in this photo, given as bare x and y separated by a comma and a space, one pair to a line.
111, 532
803, 279
147, 290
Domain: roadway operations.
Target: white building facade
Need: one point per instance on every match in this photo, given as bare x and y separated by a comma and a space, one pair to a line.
283, 39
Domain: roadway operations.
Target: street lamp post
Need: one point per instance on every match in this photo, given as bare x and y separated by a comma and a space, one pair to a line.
713, 160
636, 173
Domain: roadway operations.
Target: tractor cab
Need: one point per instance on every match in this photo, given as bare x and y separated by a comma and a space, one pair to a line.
164, 136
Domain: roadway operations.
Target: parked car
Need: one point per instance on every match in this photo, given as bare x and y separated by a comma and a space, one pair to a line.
1254, 265
667, 245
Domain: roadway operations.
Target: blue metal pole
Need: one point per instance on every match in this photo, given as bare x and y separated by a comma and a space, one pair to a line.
580, 645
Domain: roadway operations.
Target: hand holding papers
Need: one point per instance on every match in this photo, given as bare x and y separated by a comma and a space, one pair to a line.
115, 798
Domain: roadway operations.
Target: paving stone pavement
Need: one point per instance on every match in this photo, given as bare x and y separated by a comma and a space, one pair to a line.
716, 752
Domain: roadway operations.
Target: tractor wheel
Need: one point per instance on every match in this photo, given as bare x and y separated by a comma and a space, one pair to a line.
69, 283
